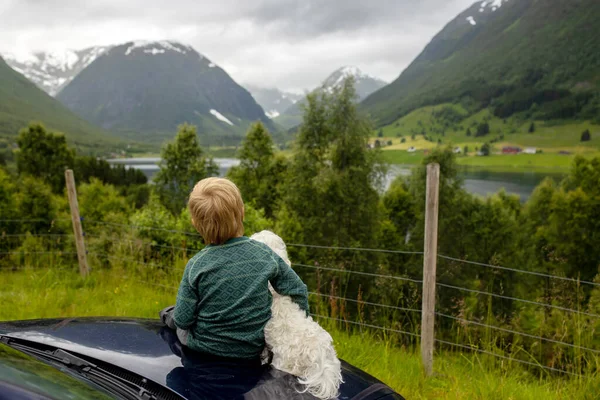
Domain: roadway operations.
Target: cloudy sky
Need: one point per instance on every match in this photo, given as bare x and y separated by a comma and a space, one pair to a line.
288, 44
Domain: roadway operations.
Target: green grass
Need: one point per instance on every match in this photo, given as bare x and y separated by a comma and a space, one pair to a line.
548, 136
47, 293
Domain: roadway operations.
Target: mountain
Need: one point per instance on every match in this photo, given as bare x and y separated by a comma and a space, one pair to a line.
272, 100
364, 85
51, 71
535, 56
21, 102
144, 90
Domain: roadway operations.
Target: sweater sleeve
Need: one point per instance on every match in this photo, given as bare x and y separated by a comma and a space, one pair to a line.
286, 282
187, 300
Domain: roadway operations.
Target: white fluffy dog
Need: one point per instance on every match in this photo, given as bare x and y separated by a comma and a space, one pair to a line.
299, 345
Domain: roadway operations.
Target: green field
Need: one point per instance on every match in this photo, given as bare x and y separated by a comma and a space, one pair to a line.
47, 293
549, 139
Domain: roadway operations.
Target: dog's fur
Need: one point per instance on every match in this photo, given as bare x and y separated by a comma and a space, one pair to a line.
299, 345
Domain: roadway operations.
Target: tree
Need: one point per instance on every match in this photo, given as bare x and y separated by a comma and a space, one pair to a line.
44, 155
485, 149
183, 163
260, 172
532, 127
482, 129
330, 194
586, 136
466, 150
380, 133
403, 140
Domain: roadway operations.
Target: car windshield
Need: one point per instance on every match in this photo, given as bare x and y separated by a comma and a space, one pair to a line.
27, 373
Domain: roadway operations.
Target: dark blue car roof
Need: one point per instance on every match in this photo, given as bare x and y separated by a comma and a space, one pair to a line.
149, 350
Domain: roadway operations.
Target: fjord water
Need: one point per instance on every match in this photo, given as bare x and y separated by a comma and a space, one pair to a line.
477, 181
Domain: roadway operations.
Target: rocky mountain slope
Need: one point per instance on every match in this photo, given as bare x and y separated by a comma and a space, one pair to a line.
364, 84
144, 90
51, 71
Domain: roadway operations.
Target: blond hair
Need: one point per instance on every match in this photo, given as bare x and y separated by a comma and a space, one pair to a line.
217, 210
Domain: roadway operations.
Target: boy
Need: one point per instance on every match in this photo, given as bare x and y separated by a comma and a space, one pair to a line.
223, 302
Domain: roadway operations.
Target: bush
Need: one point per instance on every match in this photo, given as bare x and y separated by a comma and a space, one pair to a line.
485, 149
586, 136
403, 140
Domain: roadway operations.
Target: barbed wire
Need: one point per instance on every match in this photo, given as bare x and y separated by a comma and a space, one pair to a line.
400, 278
141, 242
505, 357
365, 302
17, 235
366, 325
39, 252
354, 248
152, 228
134, 261
518, 299
36, 268
521, 271
516, 332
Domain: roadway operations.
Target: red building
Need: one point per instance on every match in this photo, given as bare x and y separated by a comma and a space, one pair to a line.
511, 150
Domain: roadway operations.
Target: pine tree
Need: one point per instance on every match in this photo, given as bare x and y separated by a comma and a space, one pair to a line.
532, 128
260, 172
183, 163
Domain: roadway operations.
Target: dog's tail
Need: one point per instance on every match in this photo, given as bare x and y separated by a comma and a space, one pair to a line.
325, 378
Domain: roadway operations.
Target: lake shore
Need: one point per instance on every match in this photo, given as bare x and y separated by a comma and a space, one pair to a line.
545, 162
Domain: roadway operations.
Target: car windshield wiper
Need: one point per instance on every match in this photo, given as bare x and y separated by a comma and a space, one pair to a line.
90, 371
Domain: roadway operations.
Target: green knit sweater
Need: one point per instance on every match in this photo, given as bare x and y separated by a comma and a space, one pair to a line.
224, 299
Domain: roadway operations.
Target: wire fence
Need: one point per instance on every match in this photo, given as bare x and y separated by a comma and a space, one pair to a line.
144, 264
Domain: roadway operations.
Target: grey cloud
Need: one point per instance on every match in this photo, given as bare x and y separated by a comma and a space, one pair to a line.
291, 44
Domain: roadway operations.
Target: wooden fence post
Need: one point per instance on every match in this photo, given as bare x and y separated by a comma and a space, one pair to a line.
77, 231
429, 267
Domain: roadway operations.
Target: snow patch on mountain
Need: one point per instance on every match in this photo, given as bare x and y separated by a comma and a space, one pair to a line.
272, 114
51, 71
157, 46
337, 78
154, 51
471, 20
220, 116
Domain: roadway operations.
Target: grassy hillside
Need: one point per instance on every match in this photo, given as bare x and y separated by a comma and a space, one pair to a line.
21, 102
451, 124
537, 56
47, 293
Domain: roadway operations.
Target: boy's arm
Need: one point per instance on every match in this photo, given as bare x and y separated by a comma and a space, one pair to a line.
286, 282
187, 299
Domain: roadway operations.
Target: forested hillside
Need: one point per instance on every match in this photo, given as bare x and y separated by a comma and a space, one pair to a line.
21, 101
512, 56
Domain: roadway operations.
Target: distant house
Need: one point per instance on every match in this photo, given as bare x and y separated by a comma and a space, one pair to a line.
411, 149
457, 150
530, 150
511, 150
